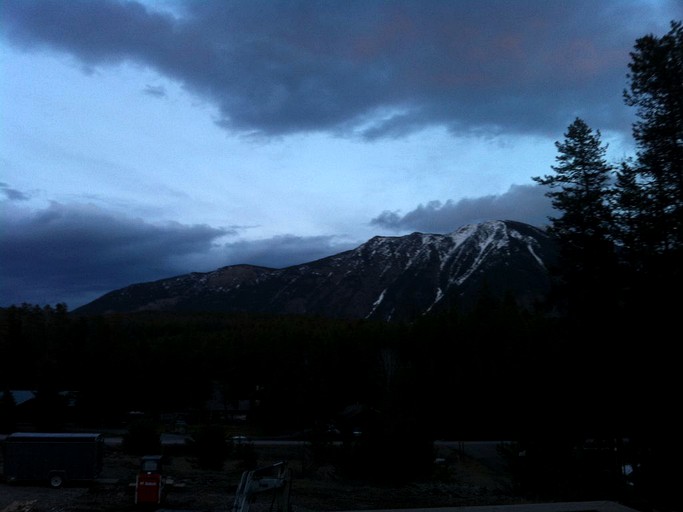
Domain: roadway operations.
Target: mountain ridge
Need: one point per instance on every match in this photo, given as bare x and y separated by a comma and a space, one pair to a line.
387, 278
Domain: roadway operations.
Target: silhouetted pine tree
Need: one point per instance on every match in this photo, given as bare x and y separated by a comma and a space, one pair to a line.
654, 248
579, 192
656, 90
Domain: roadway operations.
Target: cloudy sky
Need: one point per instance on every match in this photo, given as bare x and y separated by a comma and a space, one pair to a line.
145, 139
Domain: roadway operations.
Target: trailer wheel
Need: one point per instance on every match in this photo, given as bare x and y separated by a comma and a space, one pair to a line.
56, 480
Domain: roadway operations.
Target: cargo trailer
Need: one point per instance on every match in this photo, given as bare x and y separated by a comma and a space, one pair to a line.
54, 458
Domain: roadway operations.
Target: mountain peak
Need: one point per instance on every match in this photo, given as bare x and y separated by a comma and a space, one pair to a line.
387, 278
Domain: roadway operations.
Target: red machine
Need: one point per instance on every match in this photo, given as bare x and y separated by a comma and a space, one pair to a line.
149, 484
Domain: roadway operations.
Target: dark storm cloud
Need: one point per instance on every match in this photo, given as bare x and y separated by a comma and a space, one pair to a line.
12, 194
76, 253
524, 203
68, 253
375, 68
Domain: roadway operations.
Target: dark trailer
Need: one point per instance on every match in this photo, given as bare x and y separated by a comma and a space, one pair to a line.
54, 458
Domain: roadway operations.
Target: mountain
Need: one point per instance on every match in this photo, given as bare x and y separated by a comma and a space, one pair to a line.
387, 278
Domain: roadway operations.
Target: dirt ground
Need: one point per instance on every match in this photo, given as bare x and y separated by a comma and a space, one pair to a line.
457, 481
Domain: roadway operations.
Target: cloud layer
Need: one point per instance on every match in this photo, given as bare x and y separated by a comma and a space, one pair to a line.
70, 252
524, 203
74, 253
370, 68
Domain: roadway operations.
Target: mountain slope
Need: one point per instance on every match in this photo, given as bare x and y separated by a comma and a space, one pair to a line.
388, 278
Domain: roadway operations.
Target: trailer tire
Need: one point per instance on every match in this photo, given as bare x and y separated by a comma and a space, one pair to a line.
56, 480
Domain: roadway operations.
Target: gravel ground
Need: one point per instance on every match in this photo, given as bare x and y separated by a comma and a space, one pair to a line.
458, 481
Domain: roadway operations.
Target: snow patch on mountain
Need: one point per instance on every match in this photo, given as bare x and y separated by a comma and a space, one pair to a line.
385, 278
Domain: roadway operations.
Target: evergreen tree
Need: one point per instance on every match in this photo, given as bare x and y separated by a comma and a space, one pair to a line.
579, 191
656, 90
630, 211
579, 187
655, 247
